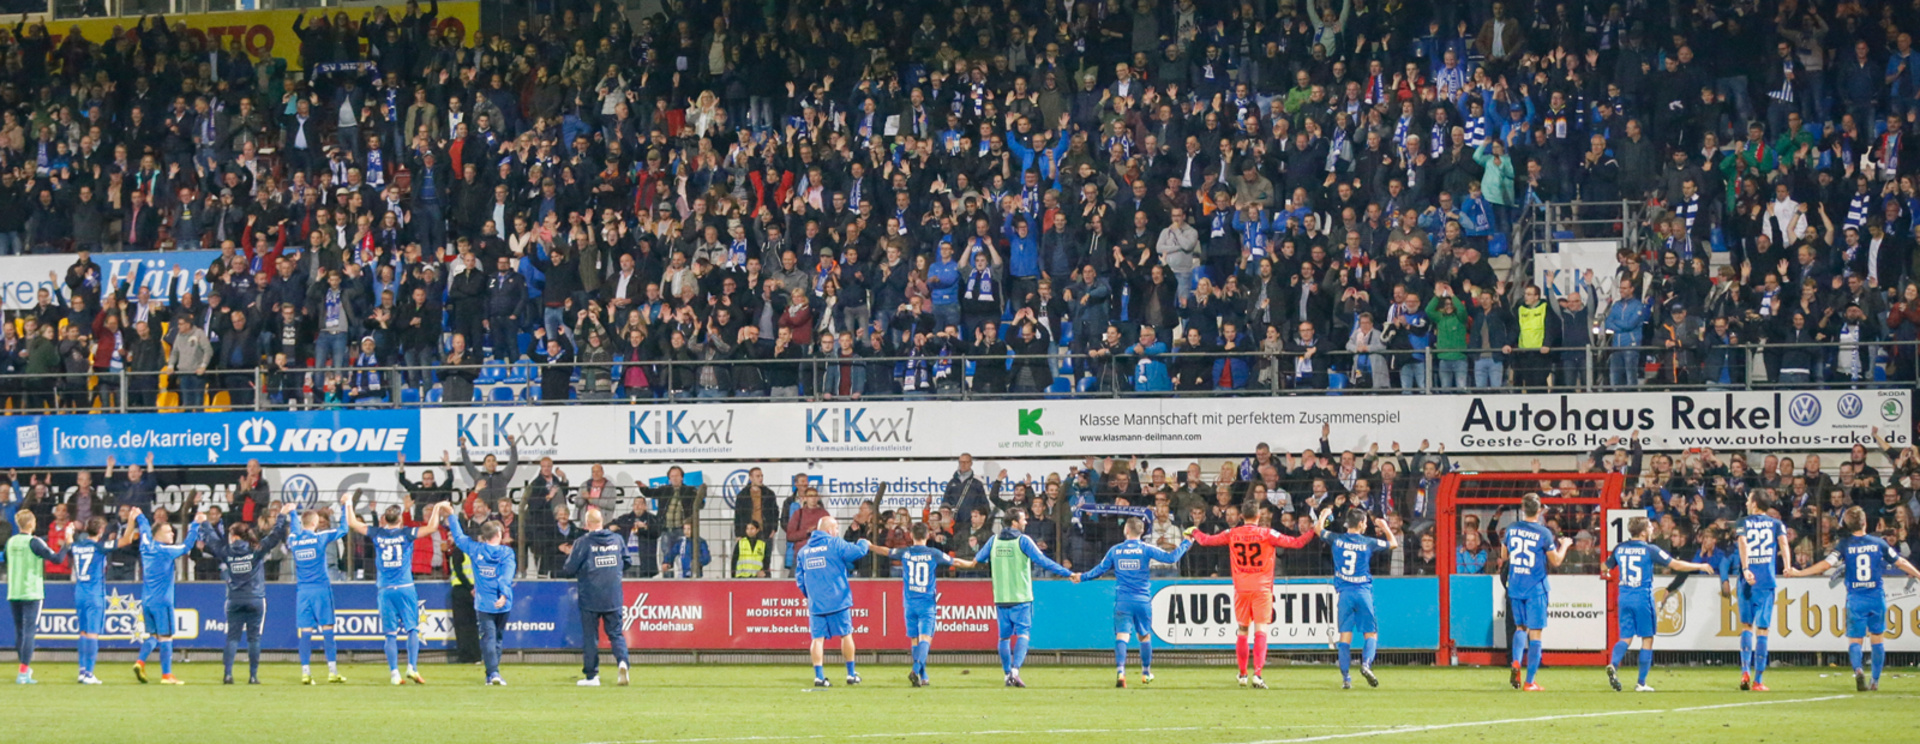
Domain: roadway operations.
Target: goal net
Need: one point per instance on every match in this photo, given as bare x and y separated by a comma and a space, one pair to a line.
1474, 511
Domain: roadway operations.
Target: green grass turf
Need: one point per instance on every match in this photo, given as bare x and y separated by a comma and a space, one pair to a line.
722, 704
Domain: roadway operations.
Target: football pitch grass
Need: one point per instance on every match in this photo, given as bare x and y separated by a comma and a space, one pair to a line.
716, 704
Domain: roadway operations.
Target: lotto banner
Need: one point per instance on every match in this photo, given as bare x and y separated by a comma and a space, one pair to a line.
1159, 427
350, 436
22, 277
262, 32
771, 614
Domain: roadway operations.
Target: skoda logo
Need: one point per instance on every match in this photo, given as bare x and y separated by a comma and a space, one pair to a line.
257, 435
301, 491
1804, 410
1849, 406
1892, 409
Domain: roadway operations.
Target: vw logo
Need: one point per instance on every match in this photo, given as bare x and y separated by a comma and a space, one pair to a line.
301, 491
1849, 406
257, 435
735, 483
1804, 410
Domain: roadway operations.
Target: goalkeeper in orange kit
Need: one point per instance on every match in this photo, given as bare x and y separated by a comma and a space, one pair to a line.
1250, 551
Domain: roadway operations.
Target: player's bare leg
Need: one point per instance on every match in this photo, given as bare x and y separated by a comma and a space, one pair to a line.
847, 652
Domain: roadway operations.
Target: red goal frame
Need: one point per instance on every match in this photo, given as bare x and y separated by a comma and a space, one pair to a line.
1446, 543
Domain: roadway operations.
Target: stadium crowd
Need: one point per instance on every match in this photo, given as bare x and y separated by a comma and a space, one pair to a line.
830, 198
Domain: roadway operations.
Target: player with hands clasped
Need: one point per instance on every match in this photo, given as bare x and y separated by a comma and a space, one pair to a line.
1131, 563
1862, 559
1250, 553
1635, 560
920, 564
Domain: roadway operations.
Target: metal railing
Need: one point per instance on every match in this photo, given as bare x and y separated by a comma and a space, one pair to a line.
1061, 374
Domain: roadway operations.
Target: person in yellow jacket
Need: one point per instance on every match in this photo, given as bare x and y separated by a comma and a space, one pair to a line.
750, 554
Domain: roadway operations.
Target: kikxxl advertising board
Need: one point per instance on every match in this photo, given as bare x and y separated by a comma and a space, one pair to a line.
1160, 427
771, 614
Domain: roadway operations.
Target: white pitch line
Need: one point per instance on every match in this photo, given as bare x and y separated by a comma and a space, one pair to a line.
990, 732
1538, 719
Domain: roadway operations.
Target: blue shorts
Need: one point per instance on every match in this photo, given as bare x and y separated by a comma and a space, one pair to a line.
1866, 616
1529, 612
90, 615
1637, 619
1756, 606
399, 610
833, 624
1014, 620
157, 618
1133, 618
921, 620
1356, 612
313, 608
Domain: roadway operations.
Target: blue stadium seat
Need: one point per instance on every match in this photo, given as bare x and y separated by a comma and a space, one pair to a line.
433, 396
410, 395
501, 394
1087, 384
1061, 387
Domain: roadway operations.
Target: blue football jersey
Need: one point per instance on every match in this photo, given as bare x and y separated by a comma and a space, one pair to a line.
1131, 563
1527, 544
1766, 537
309, 550
920, 572
89, 561
823, 565
1353, 558
393, 555
1636, 560
1863, 560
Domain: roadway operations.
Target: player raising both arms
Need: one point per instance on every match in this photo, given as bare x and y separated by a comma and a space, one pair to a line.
1353, 586
313, 593
823, 564
1761, 540
1131, 565
1528, 558
920, 565
243, 559
399, 603
157, 556
1862, 558
1250, 552
1636, 559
